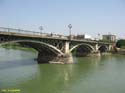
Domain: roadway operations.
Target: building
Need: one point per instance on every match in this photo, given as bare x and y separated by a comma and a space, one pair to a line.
84, 36
80, 37
109, 37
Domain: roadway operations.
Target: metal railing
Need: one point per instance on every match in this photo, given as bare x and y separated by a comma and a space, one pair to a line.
27, 32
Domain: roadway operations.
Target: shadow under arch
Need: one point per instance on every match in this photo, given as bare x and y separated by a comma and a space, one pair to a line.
45, 51
82, 49
103, 48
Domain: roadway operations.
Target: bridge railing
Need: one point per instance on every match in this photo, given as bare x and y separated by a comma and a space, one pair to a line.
9, 30
27, 32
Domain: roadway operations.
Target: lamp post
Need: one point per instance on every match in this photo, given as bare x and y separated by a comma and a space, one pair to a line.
70, 27
41, 29
99, 36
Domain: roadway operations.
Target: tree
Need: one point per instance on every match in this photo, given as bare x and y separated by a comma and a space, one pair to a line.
120, 43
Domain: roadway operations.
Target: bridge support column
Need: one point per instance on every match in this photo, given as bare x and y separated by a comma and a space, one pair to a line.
96, 47
66, 47
96, 52
110, 47
68, 56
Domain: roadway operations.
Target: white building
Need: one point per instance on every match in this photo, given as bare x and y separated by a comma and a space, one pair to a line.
109, 37
84, 36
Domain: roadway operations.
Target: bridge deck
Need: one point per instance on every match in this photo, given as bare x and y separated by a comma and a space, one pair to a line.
33, 34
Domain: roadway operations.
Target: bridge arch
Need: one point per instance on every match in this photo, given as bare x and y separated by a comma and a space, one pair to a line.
46, 52
38, 45
103, 48
82, 49
91, 48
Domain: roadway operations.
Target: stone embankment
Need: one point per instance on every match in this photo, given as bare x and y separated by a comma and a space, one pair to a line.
119, 51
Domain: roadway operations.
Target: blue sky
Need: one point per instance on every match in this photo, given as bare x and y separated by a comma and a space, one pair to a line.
86, 16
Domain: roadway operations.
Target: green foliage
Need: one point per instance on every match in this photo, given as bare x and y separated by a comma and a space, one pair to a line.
120, 43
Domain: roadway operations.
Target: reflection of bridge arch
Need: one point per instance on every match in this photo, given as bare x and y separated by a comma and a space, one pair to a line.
103, 48
87, 46
39, 46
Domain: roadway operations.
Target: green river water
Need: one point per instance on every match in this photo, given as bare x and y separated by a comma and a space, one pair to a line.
19, 70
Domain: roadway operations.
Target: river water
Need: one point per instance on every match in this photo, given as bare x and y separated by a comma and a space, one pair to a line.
19, 70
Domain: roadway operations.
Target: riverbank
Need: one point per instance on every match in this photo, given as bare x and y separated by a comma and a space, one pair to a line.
17, 47
119, 52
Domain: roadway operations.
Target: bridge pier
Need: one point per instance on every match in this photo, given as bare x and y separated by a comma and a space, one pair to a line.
110, 47
42, 58
96, 47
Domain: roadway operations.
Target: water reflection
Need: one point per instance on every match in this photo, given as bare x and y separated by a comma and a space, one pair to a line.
12, 77
16, 67
16, 63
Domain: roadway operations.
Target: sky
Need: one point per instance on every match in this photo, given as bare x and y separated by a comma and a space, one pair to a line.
86, 16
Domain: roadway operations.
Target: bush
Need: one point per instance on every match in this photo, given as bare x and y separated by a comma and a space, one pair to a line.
120, 43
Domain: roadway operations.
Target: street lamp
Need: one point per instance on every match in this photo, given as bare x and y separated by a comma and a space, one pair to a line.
41, 29
99, 36
70, 27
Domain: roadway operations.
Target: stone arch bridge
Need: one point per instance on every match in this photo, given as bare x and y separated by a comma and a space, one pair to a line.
53, 47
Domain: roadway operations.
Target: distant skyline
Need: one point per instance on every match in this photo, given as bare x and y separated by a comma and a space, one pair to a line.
91, 17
